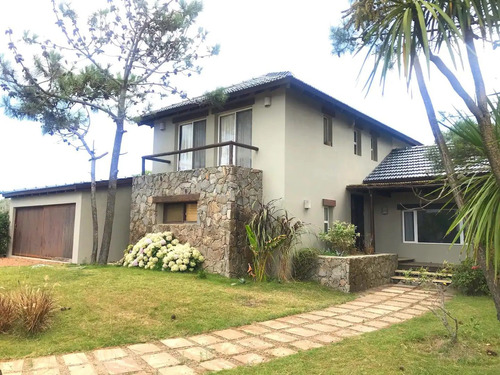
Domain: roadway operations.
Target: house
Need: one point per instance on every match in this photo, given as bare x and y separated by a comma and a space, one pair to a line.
275, 137
56, 222
314, 153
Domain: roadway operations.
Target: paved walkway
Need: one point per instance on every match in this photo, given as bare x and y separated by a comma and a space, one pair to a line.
247, 345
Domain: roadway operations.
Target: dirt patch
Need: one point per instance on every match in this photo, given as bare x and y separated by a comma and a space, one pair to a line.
18, 261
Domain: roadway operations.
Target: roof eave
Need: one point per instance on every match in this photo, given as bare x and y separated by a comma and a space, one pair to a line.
81, 186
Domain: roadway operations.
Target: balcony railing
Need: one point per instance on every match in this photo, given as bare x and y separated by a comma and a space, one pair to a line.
231, 145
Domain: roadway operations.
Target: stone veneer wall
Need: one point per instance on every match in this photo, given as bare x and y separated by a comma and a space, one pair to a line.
355, 273
227, 194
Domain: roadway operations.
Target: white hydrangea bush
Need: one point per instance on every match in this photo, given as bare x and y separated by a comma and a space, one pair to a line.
161, 251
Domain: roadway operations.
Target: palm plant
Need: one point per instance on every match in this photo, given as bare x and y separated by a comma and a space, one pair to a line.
479, 218
396, 32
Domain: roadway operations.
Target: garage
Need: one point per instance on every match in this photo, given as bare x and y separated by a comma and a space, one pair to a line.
44, 231
55, 222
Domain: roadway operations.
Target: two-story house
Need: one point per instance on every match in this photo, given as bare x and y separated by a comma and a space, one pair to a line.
275, 137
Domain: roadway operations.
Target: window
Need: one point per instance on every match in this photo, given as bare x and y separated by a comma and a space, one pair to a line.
374, 147
327, 131
236, 127
326, 219
357, 142
185, 212
192, 135
428, 226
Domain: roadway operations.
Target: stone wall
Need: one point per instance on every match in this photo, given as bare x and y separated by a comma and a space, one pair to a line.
226, 195
355, 273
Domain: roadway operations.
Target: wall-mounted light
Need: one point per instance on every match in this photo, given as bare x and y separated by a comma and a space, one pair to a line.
384, 210
162, 126
307, 204
267, 101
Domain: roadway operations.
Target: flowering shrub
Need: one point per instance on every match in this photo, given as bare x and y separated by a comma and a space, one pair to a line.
161, 251
341, 237
469, 279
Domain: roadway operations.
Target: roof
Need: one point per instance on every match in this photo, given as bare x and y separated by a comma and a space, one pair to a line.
80, 186
271, 81
418, 163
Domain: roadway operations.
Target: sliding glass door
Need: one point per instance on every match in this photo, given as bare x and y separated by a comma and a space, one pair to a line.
192, 135
236, 127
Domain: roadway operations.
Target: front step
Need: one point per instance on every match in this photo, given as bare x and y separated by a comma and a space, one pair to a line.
416, 277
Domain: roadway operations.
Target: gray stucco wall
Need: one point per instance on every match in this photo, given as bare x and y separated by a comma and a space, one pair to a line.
389, 232
226, 195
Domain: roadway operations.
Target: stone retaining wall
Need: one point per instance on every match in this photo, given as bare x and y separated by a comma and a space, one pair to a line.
227, 194
355, 273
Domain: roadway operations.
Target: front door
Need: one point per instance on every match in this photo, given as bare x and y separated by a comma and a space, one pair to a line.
358, 218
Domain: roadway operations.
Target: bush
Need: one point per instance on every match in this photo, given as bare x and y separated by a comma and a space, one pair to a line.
7, 313
161, 251
341, 237
34, 307
272, 234
469, 279
4, 233
304, 263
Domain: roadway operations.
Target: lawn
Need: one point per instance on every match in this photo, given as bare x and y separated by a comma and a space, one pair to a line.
108, 306
418, 346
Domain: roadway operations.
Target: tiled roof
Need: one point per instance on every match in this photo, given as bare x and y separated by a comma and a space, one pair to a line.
248, 84
266, 81
418, 163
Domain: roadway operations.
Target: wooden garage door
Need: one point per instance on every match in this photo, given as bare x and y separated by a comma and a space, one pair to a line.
44, 231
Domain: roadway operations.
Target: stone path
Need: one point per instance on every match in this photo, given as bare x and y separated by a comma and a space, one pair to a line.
247, 345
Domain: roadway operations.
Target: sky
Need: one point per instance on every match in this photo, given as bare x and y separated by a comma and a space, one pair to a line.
255, 37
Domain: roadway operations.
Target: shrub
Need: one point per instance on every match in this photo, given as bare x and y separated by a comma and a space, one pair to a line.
273, 232
4, 233
304, 263
34, 307
7, 312
341, 237
161, 251
469, 279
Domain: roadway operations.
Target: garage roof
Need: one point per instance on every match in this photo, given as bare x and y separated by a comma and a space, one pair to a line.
81, 186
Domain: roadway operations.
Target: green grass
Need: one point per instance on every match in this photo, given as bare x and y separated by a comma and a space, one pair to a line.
418, 346
114, 306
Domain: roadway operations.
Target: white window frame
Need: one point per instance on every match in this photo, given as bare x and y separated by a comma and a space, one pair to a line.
179, 139
326, 218
219, 133
415, 229
357, 143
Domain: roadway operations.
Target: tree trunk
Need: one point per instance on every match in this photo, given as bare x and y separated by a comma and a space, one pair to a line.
484, 117
111, 196
491, 278
438, 136
93, 204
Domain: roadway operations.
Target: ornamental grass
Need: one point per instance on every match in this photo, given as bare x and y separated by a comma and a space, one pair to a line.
8, 312
35, 307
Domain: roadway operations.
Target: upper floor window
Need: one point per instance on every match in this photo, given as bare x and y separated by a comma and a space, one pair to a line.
236, 127
357, 142
428, 226
192, 135
327, 131
374, 147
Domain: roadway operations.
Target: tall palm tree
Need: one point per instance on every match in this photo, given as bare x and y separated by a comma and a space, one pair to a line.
397, 33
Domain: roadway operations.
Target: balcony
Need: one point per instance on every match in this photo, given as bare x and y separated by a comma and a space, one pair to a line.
227, 153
